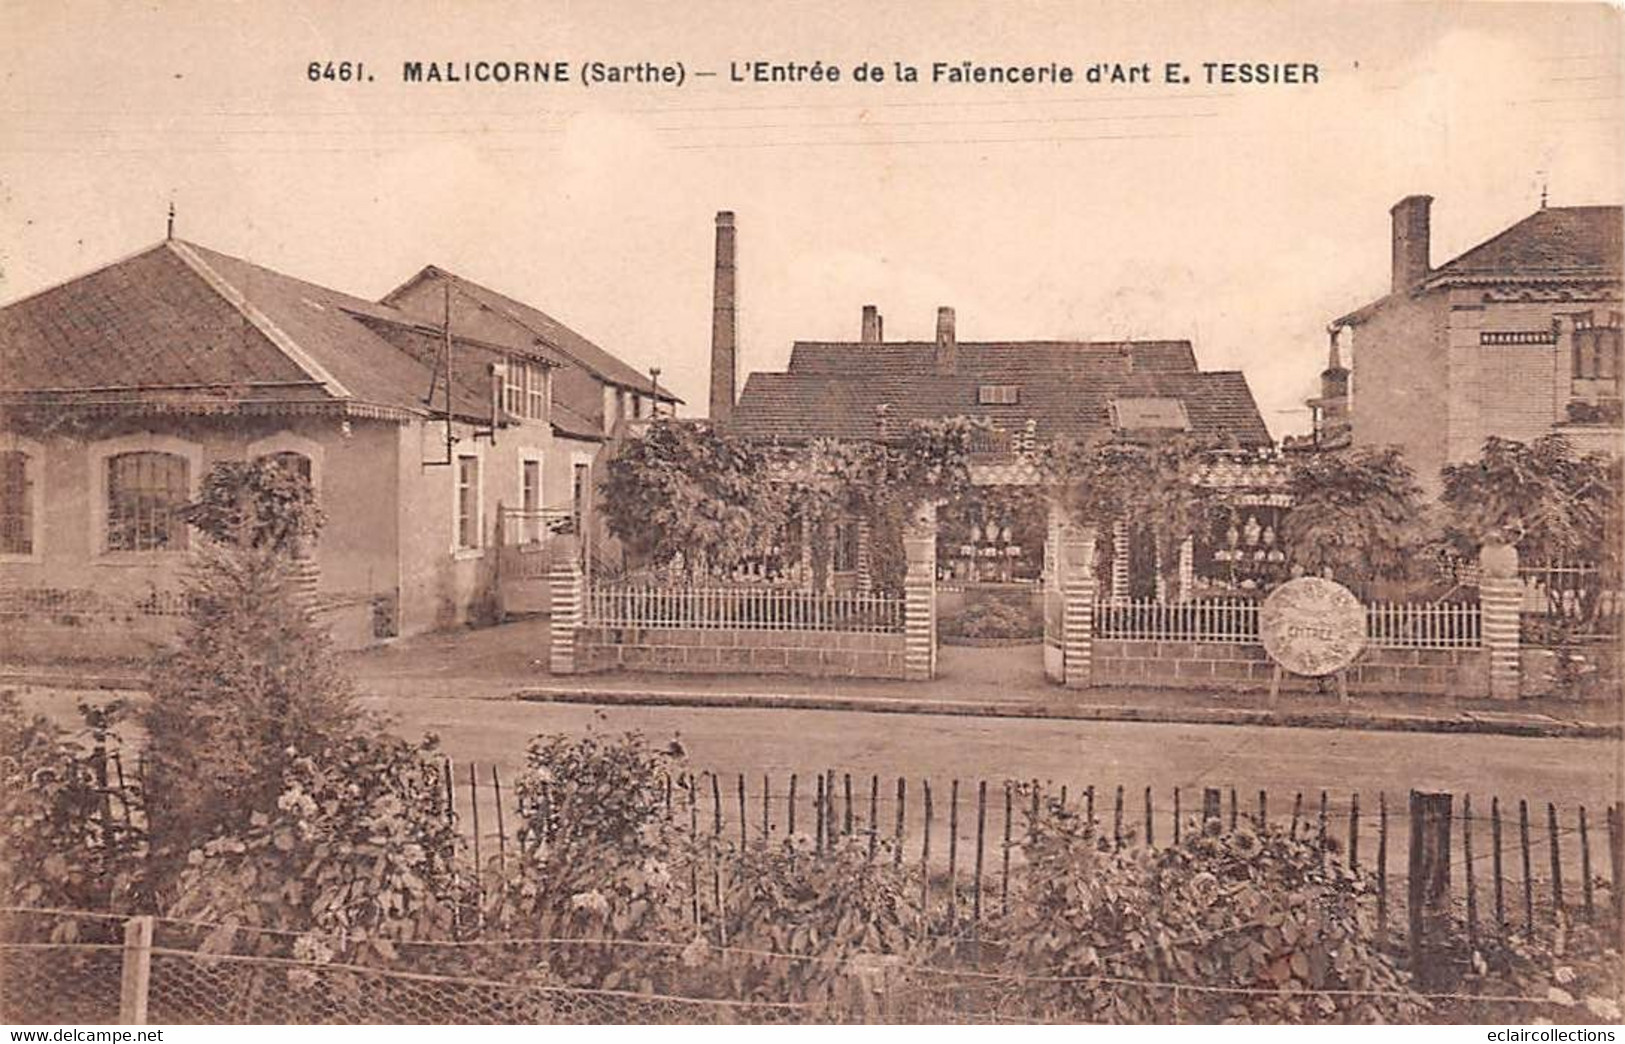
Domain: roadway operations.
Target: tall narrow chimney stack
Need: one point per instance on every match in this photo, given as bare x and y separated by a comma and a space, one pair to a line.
724, 349
947, 353
1412, 249
873, 331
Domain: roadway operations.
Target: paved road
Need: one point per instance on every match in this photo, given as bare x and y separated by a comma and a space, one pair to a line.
1281, 760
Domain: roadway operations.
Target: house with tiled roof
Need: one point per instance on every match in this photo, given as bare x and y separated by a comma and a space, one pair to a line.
1518, 337
1038, 390
1028, 394
440, 427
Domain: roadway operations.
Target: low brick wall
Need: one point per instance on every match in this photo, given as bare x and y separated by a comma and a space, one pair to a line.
692, 650
1216, 665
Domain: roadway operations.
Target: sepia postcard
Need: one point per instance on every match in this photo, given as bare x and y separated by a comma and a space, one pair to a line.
863, 513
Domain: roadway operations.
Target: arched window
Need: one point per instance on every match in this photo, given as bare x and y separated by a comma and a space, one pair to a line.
16, 504
293, 460
145, 490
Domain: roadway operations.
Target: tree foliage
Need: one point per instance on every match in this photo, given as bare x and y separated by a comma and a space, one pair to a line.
1550, 502
1156, 487
259, 504
1356, 515
690, 492
253, 682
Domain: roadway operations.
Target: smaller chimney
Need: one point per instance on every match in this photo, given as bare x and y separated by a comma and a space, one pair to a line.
1412, 249
947, 353
882, 424
1334, 379
872, 329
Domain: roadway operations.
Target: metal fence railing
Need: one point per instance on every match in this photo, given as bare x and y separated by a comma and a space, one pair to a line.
1233, 620
1424, 625
1576, 598
746, 608
1389, 625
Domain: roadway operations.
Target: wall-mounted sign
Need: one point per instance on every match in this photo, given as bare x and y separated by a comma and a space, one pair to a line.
1312, 626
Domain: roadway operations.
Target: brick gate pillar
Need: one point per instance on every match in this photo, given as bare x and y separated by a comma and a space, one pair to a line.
1500, 597
1076, 562
305, 579
564, 579
920, 594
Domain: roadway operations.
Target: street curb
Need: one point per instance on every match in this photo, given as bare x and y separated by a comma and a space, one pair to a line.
1466, 723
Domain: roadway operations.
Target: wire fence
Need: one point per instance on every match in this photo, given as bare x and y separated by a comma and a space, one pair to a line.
151, 970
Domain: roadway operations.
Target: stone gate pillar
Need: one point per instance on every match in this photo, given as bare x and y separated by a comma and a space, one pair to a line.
566, 608
1075, 559
920, 594
1500, 598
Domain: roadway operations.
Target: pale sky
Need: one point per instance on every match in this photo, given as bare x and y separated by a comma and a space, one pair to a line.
1244, 217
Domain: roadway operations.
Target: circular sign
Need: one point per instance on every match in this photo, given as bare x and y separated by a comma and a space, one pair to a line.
1312, 626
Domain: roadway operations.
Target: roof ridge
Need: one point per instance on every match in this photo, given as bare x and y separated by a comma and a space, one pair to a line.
258, 319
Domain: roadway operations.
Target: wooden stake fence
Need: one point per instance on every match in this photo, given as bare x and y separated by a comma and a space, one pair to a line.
951, 899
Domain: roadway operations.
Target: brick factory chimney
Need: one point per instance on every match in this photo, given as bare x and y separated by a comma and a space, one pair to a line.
873, 328
1411, 241
947, 354
724, 350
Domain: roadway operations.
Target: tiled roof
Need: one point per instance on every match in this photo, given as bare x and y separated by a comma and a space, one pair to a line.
179, 321
1554, 242
324, 324
145, 321
832, 390
572, 424
548, 330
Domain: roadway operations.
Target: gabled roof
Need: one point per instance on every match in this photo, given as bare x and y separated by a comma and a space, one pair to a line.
1551, 243
832, 390
548, 330
179, 324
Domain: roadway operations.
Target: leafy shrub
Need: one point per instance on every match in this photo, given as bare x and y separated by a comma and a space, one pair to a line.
357, 853
841, 911
1578, 970
995, 619
253, 679
65, 846
1236, 913
599, 860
